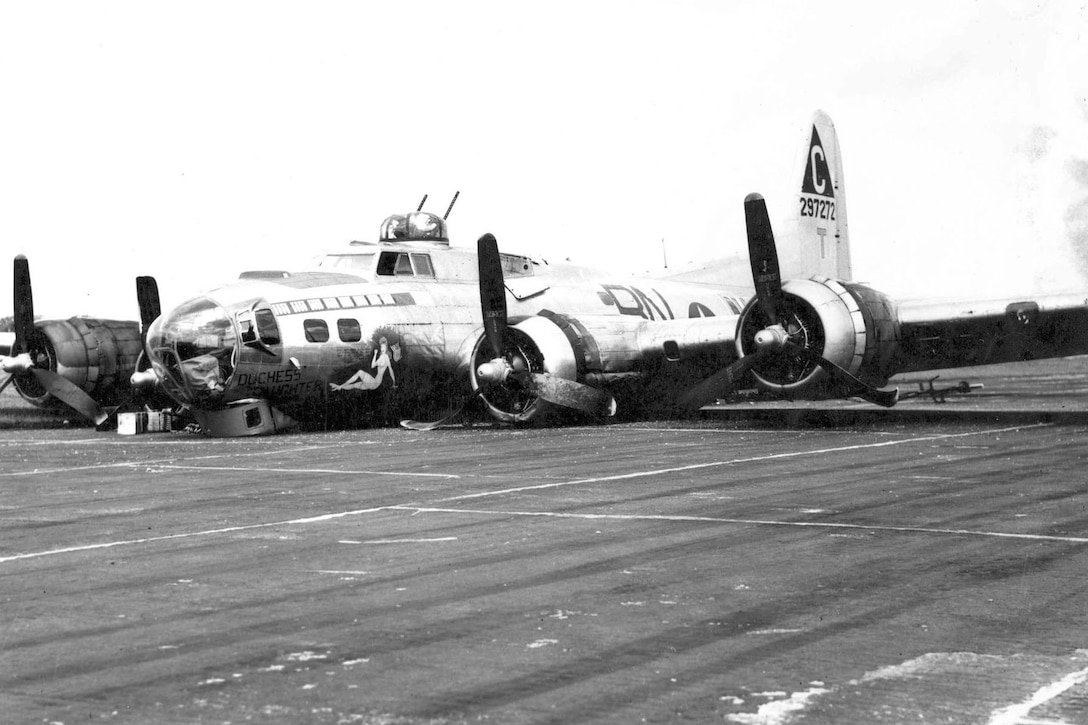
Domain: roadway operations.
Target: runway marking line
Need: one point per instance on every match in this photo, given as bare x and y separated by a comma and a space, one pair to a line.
165, 461
168, 462
400, 541
417, 509
1018, 714
735, 461
746, 522
307, 470
191, 534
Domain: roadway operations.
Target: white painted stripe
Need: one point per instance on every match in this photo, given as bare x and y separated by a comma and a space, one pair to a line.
336, 471
164, 461
735, 461
747, 522
416, 509
1015, 714
340, 573
190, 534
401, 541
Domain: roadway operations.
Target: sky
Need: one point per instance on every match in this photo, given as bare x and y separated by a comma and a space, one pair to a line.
192, 141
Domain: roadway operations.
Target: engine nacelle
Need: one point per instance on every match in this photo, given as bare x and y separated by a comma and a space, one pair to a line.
99, 356
853, 326
536, 345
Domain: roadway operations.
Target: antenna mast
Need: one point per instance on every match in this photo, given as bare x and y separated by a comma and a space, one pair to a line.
454, 201
421, 203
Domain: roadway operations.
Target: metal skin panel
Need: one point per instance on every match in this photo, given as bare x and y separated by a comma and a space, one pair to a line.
947, 334
421, 332
850, 325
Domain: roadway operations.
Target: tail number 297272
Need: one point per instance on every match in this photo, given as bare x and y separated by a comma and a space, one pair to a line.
818, 208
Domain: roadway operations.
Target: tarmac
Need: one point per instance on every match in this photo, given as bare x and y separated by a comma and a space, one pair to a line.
762, 563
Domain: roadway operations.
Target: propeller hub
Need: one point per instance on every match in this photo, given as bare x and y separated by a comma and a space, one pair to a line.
21, 363
144, 379
494, 372
771, 339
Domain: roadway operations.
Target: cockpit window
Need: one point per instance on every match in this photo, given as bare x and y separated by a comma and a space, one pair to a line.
267, 328
405, 264
352, 263
421, 263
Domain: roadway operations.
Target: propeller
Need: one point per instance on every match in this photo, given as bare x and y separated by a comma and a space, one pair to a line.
492, 293
147, 295
507, 366
29, 360
421, 425
775, 339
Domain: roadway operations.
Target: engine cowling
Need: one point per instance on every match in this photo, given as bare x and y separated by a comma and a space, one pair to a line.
96, 355
537, 345
852, 325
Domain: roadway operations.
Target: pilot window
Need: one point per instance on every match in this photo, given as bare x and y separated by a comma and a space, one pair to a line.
421, 263
348, 262
349, 330
316, 330
267, 328
404, 264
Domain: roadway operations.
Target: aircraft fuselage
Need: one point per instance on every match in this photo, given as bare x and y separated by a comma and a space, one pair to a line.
388, 330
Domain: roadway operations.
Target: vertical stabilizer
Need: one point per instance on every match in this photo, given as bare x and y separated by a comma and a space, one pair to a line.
815, 241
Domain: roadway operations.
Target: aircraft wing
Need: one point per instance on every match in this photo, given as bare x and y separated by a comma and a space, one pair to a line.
947, 334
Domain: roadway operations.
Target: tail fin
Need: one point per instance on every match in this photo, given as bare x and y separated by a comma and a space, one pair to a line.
815, 242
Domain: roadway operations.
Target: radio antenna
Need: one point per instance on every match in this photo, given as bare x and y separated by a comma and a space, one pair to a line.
421, 203
454, 201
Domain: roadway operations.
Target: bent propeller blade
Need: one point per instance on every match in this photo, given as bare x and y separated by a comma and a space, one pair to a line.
719, 384
65, 390
424, 426
571, 394
853, 385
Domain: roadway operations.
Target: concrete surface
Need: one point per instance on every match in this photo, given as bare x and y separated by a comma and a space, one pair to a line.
895, 568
